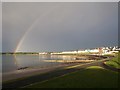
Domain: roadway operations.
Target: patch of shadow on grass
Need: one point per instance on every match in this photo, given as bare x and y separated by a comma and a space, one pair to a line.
91, 77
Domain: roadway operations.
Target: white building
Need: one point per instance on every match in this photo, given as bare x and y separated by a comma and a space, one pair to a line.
43, 53
69, 52
82, 51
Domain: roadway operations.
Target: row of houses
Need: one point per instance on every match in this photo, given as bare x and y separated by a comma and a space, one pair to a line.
101, 50
78, 51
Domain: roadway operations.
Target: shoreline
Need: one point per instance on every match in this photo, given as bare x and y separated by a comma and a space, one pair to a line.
31, 71
20, 83
70, 61
19, 74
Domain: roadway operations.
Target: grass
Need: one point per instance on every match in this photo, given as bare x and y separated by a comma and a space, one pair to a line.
115, 62
91, 77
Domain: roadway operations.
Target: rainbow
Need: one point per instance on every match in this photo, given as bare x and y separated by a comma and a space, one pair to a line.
31, 28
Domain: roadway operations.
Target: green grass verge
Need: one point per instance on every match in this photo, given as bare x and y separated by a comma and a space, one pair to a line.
91, 77
115, 62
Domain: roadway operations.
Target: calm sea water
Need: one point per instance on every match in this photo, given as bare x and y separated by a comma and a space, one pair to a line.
0, 63
12, 63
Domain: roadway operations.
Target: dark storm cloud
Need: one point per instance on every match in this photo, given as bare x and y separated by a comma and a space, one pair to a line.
59, 26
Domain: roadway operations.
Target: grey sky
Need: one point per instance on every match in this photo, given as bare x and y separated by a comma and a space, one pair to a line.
58, 26
0, 45
60, 0
0, 27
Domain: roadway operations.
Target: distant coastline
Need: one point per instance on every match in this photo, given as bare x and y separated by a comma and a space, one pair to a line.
93, 51
11, 53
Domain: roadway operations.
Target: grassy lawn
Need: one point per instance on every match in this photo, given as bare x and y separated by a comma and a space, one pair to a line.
115, 62
91, 77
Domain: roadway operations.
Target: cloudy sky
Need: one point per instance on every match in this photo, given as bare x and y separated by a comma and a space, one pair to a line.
0, 27
51, 26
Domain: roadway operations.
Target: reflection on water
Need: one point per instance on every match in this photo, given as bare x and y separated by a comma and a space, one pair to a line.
0, 72
61, 57
0, 63
8, 63
14, 62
